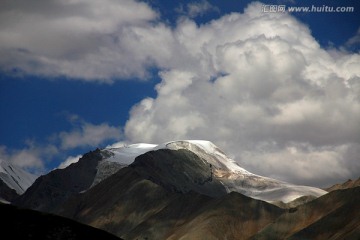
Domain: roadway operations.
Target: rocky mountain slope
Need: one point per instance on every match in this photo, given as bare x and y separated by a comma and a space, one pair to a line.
332, 216
133, 207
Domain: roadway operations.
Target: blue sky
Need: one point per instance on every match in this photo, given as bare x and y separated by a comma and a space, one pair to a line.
276, 91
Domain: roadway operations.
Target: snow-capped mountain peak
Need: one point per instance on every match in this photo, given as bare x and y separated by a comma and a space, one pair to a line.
116, 158
209, 151
223, 169
235, 178
127, 153
213, 164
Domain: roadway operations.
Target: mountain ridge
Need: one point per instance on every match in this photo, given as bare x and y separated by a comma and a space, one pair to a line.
348, 184
52, 189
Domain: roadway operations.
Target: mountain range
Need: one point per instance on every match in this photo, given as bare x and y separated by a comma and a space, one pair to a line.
188, 190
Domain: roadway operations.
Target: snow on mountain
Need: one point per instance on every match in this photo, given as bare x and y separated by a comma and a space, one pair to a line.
235, 178
15, 178
116, 158
127, 154
209, 151
224, 169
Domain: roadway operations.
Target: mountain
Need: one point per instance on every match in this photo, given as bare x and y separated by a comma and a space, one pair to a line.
202, 168
114, 159
133, 207
332, 216
13, 180
234, 178
225, 173
189, 190
151, 200
348, 184
27, 224
52, 189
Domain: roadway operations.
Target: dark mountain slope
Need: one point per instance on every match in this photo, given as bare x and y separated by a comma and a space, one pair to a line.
179, 171
233, 216
342, 223
32, 225
123, 201
332, 216
6, 193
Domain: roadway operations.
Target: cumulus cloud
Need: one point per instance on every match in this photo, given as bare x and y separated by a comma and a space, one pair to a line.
117, 144
260, 87
354, 42
90, 40
85, 39
195, 9
89, 135
68, 161
32, 157
256, 84
305, 164
36, 156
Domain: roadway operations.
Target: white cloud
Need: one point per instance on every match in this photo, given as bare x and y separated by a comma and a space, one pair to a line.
117, 145
68, 161
258, 80
84, 39
354, 41
89, 135
256, 84
195, 9
35, 156
303, 163
26, 158
31, 158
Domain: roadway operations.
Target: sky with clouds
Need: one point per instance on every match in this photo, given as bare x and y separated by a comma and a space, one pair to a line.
278, 92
